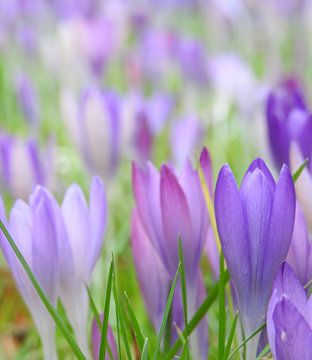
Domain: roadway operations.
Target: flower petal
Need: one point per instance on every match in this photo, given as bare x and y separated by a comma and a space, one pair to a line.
177, 223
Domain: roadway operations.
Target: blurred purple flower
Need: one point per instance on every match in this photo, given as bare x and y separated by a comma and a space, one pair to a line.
169, 208
193, 61
96, 342
94, 125
22, 166
186, 137
28, 100
255, 225
300, 251
288, 119
289, 318
33, 228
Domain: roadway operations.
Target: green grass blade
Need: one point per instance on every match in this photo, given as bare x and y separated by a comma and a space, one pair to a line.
144, 355
135, 324
264, 352
230, 337
260, 328
121, 317
97, 317
45, 300
222, 312
166, 313
197, 317
103, 344
299, 170
94, 308
183, 282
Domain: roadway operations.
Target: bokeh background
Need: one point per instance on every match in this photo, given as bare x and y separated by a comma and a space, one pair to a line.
87, 87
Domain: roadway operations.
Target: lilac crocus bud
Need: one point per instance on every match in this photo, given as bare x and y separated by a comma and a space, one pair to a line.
27, 97
169, 208
95, 127
22, 166
300, 251
96, 342
289, 318
255, 224
288, 119
33, 228
81, 229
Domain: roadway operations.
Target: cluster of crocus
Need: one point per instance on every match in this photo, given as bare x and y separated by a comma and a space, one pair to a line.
105, 126
61, 244
255, 224
170, 208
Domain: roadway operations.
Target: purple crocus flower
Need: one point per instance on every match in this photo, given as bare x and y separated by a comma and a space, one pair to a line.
62, 251
288, 120
94, 125
81, 229
22, 166
289, 318
168, 208
255, 224
28, 100
300, 251
33, 228
96, 342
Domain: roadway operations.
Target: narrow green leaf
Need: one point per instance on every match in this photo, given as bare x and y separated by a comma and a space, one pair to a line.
222, 313
264, 352
260, 328
103, 344
230, 337
45, 300
299, 170
183, 282
97, 317
166, 313
197, 317
135, 324
144, 355
121, 317
94, 308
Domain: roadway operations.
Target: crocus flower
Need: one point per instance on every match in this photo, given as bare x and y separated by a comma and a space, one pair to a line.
33, 228
71, 234
255, 224
289, 318
96, 342
81, 230
288, 120
94, 125
28, 100
22, 166
300, 251
168, 208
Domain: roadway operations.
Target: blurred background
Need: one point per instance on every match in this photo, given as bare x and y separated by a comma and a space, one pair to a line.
89, 86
